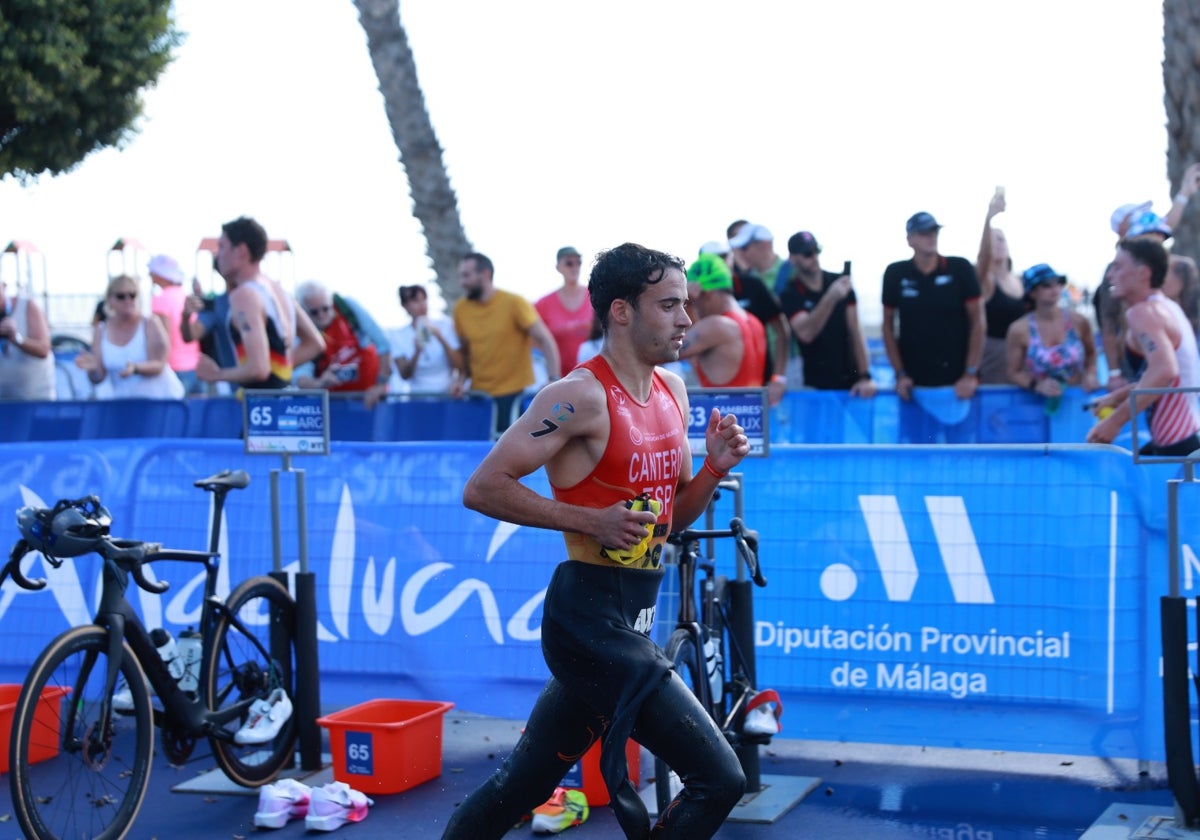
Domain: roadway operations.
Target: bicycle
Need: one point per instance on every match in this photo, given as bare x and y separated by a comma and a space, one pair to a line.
92, 760
723, 685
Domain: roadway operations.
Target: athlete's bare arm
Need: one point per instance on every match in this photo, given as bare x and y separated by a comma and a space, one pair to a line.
247, 314
1149, 332
565, 430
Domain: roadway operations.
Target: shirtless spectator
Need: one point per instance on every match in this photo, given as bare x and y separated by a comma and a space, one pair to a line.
727, 345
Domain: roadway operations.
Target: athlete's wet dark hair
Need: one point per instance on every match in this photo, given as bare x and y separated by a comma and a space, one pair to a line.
1149, 252
623, 273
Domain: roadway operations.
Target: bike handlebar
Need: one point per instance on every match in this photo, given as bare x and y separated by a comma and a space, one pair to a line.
738, 531
129, 555
12, 569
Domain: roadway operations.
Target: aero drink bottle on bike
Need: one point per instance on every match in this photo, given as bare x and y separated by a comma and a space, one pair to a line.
189, 651
714, 665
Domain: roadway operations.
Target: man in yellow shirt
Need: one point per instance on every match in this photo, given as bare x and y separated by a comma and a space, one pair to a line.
497, 330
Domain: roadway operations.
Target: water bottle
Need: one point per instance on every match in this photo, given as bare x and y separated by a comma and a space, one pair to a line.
167, 649
190, 646
1050, 406
715, 667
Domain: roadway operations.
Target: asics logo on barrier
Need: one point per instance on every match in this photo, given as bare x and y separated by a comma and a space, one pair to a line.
894, 553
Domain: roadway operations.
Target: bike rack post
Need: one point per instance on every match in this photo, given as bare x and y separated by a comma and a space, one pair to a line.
307, 685
741, 628
1177, 706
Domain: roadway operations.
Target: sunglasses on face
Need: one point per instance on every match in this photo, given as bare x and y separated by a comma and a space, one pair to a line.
124, 295
318, 310
571, 263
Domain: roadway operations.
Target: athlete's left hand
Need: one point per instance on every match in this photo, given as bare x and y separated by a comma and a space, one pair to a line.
725, 441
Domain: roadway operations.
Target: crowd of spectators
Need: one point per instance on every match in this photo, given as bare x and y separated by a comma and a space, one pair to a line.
759, 320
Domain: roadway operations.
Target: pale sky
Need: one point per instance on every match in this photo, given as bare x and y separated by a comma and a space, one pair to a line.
591, 124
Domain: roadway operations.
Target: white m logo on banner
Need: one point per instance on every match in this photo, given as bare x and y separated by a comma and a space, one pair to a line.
893, 551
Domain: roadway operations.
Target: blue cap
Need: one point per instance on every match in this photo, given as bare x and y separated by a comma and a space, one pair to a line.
1039, 274
922, 223
1147, 222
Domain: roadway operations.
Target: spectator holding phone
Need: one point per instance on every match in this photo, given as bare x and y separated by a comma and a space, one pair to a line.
823, 313
1002, 291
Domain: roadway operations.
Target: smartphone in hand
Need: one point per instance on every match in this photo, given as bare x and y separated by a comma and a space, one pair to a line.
846, 267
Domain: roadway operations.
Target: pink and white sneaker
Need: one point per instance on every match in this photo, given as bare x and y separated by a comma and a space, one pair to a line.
281, 801
334, 805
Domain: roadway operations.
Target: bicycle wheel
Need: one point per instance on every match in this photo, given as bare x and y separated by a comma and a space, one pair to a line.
688, 662
73, 774
245, 661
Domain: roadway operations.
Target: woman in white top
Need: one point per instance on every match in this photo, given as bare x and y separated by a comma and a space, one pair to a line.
26, 361
129, 349
426, 352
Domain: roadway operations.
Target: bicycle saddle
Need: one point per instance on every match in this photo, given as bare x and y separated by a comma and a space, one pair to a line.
69, 529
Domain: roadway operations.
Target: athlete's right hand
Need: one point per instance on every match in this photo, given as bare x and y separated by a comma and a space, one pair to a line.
619, 527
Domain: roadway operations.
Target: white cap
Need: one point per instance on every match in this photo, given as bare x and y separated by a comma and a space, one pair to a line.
165, 267
750, 233
715, 247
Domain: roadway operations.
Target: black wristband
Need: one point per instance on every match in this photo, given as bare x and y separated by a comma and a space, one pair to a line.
1032, 386
864, 377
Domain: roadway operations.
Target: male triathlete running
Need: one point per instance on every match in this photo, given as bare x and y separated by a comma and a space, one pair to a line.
607, 433
1162, 348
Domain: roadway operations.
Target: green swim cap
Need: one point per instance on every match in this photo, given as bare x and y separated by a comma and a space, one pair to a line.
711, 272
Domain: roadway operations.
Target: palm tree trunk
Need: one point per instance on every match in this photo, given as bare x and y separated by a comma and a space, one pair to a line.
434, 202
1181, 81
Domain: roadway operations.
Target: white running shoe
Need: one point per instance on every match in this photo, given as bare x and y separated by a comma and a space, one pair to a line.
763, 713
122, 698
267, 716
281, 801
761, 721
334, 805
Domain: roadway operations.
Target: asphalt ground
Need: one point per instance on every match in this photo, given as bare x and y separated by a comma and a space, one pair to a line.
858, 791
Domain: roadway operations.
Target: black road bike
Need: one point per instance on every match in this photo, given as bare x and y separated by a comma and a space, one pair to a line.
79, 766
706, 655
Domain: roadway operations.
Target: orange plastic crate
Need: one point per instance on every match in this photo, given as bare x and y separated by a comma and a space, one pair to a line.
45, 722
387, 746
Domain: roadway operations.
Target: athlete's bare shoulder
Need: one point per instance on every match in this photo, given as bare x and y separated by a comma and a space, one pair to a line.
568, 407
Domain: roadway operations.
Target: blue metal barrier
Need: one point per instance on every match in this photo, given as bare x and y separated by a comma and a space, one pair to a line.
988, 597
995, 415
